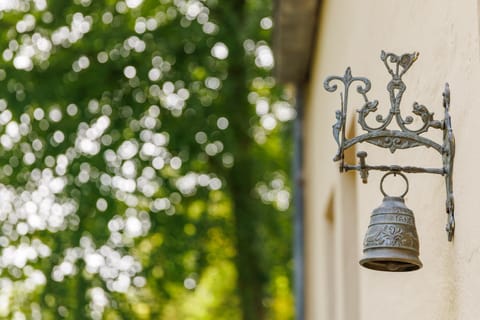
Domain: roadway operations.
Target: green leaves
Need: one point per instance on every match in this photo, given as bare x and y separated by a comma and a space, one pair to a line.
143, 159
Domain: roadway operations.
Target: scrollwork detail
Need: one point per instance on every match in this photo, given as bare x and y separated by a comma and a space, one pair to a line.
397, 66
394, 143
341, 115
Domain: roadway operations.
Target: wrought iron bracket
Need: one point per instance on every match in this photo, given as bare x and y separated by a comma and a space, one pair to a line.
403, 136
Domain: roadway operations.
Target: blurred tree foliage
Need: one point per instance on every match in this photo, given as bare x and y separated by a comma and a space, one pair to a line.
143, 161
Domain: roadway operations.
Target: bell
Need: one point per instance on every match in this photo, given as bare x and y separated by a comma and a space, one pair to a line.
391, 242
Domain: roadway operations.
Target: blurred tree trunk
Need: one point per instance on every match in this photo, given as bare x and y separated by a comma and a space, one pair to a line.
242, 179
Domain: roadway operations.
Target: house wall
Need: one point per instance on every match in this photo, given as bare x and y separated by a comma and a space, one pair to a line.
338, 206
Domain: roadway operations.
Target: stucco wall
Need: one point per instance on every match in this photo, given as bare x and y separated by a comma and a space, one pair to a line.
338, 206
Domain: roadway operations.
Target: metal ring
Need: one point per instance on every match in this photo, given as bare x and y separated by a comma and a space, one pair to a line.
394, 173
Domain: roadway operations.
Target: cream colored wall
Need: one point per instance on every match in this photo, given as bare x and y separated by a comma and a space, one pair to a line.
352, 33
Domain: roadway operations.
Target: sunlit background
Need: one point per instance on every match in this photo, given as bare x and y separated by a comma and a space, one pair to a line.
144, 161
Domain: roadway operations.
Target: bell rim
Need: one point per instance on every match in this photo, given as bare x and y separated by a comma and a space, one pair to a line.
366, 263
377, 255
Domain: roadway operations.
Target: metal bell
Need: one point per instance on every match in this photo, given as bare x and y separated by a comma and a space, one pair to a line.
391, 241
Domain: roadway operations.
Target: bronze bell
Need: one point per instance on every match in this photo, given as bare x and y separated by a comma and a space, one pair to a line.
391, 242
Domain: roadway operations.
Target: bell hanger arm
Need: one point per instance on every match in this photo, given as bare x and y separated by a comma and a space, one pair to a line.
363, 168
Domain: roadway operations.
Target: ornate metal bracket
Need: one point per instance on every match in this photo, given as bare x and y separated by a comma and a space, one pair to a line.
404, 137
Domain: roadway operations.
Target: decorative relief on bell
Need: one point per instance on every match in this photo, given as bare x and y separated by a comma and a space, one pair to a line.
391, 236
393, 225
